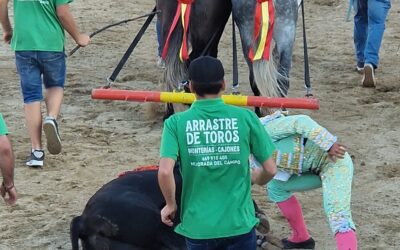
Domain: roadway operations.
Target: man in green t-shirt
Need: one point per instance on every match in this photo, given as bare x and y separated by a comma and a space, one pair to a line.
213, 142
38, 42
6, 166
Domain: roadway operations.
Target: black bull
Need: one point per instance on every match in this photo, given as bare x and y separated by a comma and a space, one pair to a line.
125, 215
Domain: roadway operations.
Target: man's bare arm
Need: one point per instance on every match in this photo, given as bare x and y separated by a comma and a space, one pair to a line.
166, 180
5, 21
262, 176
68, 22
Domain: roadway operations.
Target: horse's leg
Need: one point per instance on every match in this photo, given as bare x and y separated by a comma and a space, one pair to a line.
242, 15
174, 70
208, 21
263, 74
286, 13
243, 12
165, 18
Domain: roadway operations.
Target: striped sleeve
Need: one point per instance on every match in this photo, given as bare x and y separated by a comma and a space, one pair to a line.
303, 125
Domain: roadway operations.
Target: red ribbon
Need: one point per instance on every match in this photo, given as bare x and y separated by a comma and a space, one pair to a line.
185, 53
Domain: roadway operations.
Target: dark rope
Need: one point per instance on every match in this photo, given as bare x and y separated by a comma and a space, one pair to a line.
307, 80
235, 71
112, 25
129, 51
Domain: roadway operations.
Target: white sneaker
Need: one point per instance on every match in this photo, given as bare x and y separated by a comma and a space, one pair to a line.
50, 128
35, 159
368, 80
360, 70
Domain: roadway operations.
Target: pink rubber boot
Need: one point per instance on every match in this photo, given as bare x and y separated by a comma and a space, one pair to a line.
291, 210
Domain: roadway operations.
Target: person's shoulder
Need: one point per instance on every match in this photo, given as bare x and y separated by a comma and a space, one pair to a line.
244, 111
171, 119
62, 2
236, 108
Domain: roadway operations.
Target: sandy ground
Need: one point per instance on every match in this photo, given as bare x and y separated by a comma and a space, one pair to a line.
102, 138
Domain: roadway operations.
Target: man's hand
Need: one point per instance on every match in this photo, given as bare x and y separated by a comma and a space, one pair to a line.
336, 151
261, 176
168, 214
83, 40
166, 180
7, 37
12, 194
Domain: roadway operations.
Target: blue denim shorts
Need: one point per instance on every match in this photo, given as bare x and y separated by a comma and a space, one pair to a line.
36, 66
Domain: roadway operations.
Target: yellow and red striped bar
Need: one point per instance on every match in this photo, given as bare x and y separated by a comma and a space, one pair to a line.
187, 98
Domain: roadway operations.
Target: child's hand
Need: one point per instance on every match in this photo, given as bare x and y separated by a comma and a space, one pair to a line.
336, 151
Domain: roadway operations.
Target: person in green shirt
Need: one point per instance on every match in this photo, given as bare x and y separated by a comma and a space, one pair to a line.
7, 187
38, 42
213, 142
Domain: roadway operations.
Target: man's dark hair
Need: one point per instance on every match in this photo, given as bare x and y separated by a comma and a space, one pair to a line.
206, 74
210, 88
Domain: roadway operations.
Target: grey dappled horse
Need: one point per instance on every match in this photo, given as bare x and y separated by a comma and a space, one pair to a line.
286, 13
208, 20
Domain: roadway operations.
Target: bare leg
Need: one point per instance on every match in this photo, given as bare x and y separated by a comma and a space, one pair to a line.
33, 118
54, 98
6, 161
7, 189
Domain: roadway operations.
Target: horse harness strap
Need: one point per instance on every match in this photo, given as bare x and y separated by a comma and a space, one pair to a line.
182, 12
129, 51
307, 81
112, 25
235, 71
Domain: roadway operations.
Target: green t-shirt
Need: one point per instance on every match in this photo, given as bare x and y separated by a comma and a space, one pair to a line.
213, 142
37, 27
3, 127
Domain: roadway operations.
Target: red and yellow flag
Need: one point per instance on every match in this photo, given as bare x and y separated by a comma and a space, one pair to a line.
183, 13
263, 29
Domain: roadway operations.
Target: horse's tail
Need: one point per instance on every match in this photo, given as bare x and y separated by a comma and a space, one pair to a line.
76, 229
266, 76
175, 70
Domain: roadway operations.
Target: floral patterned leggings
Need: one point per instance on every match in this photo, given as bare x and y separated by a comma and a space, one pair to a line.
335, 179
